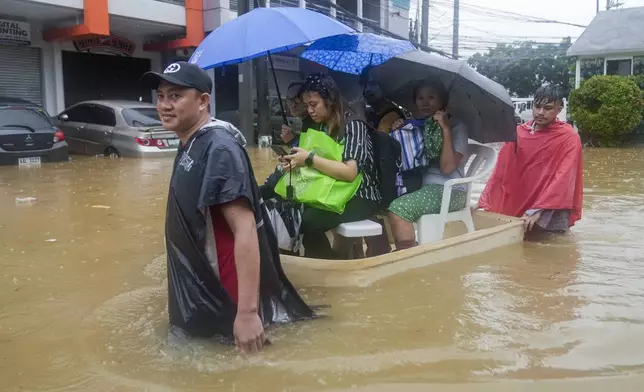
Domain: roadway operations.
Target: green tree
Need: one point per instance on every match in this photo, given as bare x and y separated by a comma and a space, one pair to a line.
523, 67
607, 108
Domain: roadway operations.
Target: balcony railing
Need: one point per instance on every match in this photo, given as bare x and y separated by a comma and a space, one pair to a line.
285, 3
177, 2
366, 28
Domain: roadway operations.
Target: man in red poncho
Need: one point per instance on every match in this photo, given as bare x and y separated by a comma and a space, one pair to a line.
539, 178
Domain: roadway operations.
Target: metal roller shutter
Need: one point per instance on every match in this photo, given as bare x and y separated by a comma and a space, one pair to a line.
20, 73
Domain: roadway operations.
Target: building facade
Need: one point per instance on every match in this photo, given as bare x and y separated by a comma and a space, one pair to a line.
59, 52
613, 44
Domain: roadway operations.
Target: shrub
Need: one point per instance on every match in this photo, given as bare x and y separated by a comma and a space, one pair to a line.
607, 108
639, 80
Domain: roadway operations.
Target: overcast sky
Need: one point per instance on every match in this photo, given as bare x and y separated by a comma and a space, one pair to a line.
482, 25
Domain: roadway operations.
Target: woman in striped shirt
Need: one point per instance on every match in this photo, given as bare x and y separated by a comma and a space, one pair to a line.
326, 108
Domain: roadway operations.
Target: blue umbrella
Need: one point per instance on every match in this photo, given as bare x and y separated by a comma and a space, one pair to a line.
264, 31
352, 53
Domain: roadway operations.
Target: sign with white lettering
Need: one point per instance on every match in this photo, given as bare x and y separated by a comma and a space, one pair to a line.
13, 32
286, 63
106, 45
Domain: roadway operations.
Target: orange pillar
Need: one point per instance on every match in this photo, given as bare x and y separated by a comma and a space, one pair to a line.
96, 22
194, 30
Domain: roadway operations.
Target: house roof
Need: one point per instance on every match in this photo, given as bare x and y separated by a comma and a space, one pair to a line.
612, 32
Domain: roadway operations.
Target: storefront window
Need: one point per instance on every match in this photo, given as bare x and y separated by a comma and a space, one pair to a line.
591, 67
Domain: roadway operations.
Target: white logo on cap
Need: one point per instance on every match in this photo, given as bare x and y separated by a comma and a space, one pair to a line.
172, 68
195, 57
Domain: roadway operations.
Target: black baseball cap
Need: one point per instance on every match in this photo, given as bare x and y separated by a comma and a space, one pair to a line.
182, 74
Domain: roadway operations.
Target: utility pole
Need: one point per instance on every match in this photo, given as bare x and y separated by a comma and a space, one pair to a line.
455, 33
245, 74
424, 30
261, 88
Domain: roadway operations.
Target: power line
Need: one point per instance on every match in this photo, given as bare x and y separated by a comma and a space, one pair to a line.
424, 29
495, 13
456, 22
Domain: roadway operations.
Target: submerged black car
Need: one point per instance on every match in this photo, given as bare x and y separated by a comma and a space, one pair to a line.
27, 135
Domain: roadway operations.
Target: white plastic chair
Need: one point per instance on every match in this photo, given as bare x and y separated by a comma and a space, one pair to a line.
359, 229
364, 228
432, 227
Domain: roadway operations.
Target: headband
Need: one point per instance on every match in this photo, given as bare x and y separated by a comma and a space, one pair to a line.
319, 83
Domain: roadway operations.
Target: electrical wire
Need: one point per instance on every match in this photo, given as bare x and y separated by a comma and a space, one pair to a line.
495, 13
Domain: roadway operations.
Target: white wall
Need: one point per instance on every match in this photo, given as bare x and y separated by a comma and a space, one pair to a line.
216, 13
398, 21
150, 10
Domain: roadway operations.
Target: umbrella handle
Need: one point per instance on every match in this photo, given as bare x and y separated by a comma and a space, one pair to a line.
277, 87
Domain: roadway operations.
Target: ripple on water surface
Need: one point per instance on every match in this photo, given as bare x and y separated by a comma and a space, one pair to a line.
564, 307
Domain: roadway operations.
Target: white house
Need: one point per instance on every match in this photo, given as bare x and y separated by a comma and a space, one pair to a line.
613, 44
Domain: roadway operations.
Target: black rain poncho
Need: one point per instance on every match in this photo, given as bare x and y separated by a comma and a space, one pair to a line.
211, 169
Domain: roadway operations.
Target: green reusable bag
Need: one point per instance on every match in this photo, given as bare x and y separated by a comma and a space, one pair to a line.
432, 140
313, 188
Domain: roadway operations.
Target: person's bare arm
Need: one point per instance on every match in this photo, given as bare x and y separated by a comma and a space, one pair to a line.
354, 152
343, 171
248, 329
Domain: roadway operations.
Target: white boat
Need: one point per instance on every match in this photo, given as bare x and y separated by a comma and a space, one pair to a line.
492, 231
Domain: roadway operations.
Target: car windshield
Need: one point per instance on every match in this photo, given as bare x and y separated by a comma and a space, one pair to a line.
33, 118
141, 117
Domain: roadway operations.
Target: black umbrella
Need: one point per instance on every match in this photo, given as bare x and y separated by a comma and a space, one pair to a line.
483, 105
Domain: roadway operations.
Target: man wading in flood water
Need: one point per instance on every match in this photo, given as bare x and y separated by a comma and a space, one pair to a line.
539, 178
224, 273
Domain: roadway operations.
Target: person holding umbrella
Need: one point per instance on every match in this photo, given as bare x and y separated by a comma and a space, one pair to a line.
443, 144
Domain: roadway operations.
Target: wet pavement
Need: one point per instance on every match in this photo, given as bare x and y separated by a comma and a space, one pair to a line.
82, 299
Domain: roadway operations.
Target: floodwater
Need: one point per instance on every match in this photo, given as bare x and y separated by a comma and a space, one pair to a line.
82, 299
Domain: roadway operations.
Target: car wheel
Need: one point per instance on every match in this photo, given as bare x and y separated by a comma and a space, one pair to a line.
111, 152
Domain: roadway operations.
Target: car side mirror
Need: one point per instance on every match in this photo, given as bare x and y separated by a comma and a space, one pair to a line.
63, 117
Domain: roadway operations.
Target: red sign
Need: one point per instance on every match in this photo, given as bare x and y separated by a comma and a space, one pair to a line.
110, 45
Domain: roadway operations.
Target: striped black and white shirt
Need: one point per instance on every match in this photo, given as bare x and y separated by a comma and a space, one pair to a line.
359, 147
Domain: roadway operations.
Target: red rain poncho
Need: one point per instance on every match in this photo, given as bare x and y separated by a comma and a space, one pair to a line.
543, 170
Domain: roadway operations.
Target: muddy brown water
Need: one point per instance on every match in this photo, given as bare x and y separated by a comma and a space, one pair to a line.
82, 299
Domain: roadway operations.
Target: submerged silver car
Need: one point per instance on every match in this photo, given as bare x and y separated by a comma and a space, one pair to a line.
116, 128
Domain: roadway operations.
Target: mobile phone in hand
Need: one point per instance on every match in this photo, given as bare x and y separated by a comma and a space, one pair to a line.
279, 150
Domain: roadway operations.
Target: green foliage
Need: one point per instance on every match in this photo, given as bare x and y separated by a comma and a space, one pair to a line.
639, 80
523, 67
607, 108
